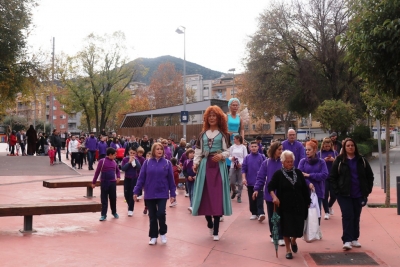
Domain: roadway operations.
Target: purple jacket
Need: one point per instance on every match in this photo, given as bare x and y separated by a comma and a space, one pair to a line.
114, 145
298, 150
141, 160
264, 176
106, 165
251, 165
183, 159
167, 153
188, 168
91, 143
102, 146
318, 172
130, 172
157, 178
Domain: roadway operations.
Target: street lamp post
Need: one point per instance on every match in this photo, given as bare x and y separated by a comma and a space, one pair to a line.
182, 30
233, 89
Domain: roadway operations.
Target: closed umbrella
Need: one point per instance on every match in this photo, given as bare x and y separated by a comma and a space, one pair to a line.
275, 229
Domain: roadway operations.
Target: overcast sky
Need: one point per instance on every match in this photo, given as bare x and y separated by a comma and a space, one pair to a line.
216, 30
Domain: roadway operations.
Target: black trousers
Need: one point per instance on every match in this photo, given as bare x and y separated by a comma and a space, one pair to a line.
129, 184
257, 205
108, 191
74, 159
80, 160
213, 225
157, 217
351, 212
328, 202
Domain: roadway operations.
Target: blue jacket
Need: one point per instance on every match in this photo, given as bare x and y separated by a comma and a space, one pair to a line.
130, 172
264, 176
318, 172
157, 178
251, 165
91, 143
298, 150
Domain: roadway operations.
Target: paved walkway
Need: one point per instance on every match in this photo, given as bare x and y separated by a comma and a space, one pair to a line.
81, 240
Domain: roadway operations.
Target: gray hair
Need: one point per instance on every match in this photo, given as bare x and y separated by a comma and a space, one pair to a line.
285, 154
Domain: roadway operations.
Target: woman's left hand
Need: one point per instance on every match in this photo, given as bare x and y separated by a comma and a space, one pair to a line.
217, 157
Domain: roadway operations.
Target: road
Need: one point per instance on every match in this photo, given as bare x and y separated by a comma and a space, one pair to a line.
394, 166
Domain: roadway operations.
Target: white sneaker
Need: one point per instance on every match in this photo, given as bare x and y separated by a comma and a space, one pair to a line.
164, 239
130, 213
253, 217
211, 231
261, 217
153, 241
326, 217
347, 246
281, 242
272, 240
186, 194
356, 244
173, 204
190, 210
221, 219
139, 197
331, 211
216, 238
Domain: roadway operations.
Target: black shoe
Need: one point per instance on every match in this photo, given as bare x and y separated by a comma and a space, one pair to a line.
289, 256
294, 247
233, 195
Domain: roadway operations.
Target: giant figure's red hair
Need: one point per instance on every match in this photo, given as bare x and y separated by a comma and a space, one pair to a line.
222, 119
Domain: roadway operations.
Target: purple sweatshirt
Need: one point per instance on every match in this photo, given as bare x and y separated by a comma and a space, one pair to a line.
130, 172
141, 160
183, 159
102, 146
264, 176
91, 143
355, 189
157, 178
318, 172
106, 165
188, 169
323, 154
251, 165
114, 145
167, 153
297, 148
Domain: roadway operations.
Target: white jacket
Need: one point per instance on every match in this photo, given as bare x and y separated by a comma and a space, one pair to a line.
73, 146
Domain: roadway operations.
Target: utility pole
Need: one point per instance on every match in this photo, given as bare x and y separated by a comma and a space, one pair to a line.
51, 107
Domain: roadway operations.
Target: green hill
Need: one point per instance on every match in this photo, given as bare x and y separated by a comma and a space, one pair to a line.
151, 65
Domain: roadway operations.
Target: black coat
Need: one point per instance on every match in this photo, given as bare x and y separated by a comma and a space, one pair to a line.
340, 176
294, 202
55, 140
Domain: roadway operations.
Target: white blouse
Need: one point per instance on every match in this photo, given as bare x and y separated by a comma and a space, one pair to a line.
239, 152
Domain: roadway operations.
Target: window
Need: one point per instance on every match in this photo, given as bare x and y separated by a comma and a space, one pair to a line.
47, 98
47, 117
254, 127
205, 92
194, 87
246, 127
63, 106
71, 125
62, 126
54, 117
206, 88
63, 117
265, 126
54, 98
54, 108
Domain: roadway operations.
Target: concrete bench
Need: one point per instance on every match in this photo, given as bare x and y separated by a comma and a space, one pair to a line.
28, 210
66, 184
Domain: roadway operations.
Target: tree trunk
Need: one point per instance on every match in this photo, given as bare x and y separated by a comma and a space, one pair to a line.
387, 200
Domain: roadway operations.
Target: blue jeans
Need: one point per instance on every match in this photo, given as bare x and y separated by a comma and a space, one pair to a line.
351, 213
157, 217
190, 186
58, 151
91, 154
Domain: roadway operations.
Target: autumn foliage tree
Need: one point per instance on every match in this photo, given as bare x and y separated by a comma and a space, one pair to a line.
166, 86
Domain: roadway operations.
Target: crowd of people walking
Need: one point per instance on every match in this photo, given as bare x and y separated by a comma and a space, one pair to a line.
216, 165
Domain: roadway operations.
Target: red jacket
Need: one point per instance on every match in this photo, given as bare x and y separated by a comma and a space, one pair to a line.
13, 140
51, 153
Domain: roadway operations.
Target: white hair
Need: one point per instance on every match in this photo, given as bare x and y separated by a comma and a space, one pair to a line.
285, 154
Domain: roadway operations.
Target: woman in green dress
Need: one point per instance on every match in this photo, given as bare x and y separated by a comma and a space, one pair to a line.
211, 188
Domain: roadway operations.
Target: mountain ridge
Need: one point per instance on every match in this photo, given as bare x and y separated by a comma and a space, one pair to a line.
151, 65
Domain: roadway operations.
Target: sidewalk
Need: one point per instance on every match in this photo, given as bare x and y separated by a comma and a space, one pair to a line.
81, 240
